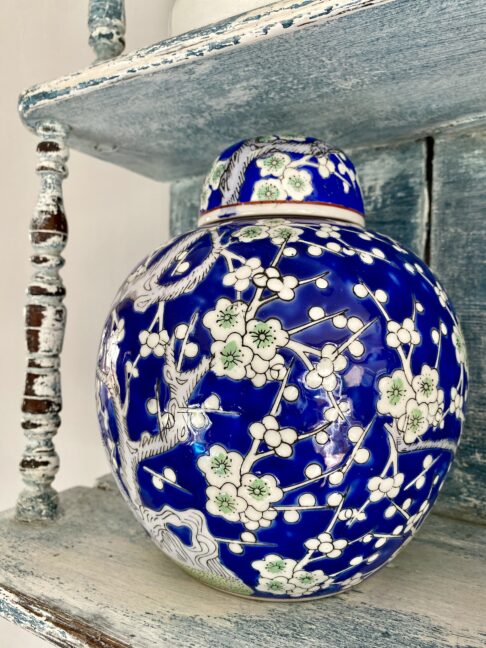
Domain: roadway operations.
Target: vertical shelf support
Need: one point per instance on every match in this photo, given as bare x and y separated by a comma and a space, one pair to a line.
106, 24
45, 317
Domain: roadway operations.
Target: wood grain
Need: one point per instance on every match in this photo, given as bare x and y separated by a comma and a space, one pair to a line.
45, 317
393, 181
355, 72
98, 580
458, 244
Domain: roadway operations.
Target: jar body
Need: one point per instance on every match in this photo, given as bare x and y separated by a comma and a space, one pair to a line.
281, 400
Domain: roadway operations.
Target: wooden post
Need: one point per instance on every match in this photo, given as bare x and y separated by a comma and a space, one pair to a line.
45, 317
106, 23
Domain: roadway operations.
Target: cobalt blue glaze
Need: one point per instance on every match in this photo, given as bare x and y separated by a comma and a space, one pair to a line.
281, 396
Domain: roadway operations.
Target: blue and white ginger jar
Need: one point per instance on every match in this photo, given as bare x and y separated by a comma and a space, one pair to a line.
281, 391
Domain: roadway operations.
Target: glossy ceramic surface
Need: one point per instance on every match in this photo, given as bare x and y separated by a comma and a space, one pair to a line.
281, 398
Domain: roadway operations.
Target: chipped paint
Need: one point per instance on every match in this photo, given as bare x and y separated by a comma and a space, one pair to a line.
44, 323
205, 42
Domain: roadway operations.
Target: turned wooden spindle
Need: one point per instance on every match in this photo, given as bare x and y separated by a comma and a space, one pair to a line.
45, 317
106, 23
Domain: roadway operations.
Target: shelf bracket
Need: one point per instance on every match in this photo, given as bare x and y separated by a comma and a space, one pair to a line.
106, 24
45, 317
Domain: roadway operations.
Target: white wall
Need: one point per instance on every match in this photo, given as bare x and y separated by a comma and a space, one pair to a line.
115, 217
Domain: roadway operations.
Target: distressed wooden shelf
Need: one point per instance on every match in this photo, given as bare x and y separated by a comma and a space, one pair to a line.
356, 72
94, 578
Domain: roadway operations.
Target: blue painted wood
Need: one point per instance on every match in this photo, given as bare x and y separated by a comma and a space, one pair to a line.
393, 181
106, 23
354, 72
94, 579
458, 244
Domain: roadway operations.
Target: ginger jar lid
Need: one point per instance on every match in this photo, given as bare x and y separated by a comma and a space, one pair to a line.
282, 175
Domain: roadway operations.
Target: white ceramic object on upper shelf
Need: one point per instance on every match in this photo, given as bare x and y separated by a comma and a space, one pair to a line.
191, 14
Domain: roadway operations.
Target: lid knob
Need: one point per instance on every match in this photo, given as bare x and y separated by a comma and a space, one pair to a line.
282, 175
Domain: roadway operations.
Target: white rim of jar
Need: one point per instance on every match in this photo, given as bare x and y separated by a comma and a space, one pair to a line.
283, 208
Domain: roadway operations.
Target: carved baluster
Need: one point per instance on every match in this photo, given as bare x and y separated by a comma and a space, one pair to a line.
45, 317
106, 23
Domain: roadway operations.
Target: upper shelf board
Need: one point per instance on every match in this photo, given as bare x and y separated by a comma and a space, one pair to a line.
356, 72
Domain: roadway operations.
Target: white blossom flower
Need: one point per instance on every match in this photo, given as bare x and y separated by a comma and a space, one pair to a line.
352, 514
341, 408
326, 167
324, 372
274, 566
268, 190
274, 281
297, 184
285, 234
380, 487
265, 337
459, 344
230, 357
220, 466
259, 491
425, 385
352, 580
260, 371
395, 392
328, 231
279, 439
251, 233
225, 502
404, 333
415, 520
153, 343
329, 547
241, 277
253, 519
227, 317
457, 403
305, 582
274, 164
277, 585
415, 422
436, 410
439, 291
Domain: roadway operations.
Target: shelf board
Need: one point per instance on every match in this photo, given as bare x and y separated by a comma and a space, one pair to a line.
94, 578
357, 72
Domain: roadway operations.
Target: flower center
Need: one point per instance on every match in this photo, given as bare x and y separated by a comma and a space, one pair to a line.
227, 318
262, 336
396, 391
276, 566
231, 355
268, 192
415, 420
251, 232
225, 503
427, 386
259, 489
220, 465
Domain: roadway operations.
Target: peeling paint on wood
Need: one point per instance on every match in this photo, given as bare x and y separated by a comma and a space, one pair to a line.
98, 577
166, 111
45, 317
106, 23
458, 244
